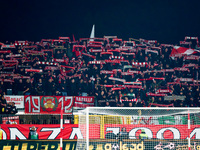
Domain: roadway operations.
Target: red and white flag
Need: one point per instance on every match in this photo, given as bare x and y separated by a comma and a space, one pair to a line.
179, 51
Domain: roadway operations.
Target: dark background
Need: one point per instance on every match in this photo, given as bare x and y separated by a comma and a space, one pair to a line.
167, 21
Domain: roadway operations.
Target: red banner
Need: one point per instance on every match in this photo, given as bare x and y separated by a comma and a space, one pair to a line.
156, 131
10, 120
21, 132
72, 131
83, 101
48, 104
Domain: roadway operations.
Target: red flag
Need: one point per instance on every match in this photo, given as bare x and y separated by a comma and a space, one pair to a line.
179, 51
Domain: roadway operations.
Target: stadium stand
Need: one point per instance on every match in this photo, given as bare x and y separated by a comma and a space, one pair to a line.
134, 73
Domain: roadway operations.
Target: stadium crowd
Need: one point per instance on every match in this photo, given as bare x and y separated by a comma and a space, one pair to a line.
133, 73
7, 108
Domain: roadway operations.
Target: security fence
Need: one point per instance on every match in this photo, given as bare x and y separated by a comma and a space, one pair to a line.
35, 119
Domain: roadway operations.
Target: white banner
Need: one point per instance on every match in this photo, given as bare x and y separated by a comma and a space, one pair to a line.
17, 99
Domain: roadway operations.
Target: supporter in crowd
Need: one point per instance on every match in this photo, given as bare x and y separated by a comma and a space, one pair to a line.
13, 109
3, 104
107, 104
145, 70
2, 89
7, 108
117, 102
123, 134
39, 87
27, 88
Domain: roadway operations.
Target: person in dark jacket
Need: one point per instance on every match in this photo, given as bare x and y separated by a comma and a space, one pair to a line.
13, 108
123, 134
3, 105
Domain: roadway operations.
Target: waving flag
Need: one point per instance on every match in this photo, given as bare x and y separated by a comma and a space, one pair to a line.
92, 35
178, 51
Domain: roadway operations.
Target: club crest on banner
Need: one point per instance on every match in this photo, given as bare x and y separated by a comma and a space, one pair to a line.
49, 103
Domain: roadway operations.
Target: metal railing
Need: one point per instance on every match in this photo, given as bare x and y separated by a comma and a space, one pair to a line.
35, 119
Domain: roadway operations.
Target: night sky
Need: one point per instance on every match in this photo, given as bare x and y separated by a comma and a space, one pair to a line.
166, 21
